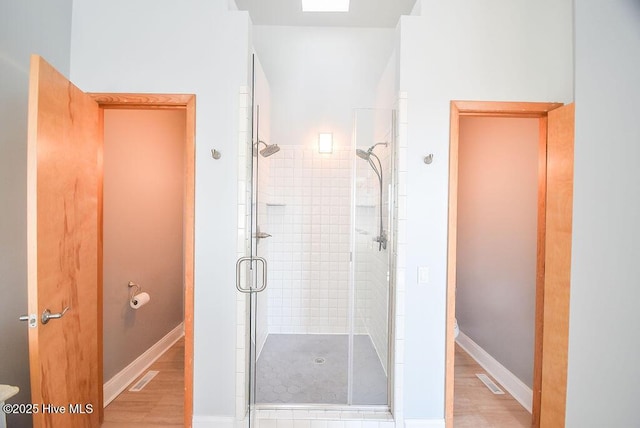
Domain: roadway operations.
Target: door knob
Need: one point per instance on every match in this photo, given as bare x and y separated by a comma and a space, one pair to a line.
47, 315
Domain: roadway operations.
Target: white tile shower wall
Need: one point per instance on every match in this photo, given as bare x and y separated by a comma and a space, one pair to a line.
263, 245
378, 321
243, 243
401, 262
309, 217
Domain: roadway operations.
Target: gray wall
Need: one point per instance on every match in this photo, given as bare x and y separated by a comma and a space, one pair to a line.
26, 27
497, 233
143, 231
604, 379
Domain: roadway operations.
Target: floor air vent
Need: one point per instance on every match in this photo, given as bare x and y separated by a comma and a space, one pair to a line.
144, 381
489, 383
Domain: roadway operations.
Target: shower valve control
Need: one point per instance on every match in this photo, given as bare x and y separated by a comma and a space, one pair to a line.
423, 275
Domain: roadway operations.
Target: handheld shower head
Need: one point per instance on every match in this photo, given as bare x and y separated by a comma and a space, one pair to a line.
369, 156
366, 154
363, 154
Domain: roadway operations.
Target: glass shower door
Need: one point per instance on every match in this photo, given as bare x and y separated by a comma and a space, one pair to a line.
251, 269
251, 277
372, 254
251, 280
330, 272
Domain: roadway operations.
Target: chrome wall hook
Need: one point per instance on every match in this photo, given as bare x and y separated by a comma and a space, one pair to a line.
428, 159
215, 154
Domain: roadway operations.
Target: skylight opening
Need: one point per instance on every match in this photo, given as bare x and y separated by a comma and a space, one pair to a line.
325, 5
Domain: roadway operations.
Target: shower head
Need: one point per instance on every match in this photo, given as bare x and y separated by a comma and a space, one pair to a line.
363, 154
269, 149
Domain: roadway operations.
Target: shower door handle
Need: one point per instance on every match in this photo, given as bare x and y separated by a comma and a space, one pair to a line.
241, 261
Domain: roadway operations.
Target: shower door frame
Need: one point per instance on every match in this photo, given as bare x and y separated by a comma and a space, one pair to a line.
249, 407
550, 218
187, 102
392, 245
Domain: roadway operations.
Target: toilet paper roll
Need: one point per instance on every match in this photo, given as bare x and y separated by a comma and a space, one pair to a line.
139, 300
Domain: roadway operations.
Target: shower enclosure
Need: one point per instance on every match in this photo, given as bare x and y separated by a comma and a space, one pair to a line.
318, 272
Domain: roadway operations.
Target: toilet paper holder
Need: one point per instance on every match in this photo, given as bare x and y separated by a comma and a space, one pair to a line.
133, 289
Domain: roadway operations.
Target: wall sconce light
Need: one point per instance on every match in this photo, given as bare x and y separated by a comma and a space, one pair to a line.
325, 143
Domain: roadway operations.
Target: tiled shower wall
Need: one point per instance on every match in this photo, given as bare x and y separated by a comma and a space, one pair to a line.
263, 245
308, 214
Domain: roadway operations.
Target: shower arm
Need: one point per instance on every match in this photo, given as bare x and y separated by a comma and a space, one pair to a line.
257, 146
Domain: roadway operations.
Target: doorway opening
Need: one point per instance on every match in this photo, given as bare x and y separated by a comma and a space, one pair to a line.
552, 242
147, 214
496, 268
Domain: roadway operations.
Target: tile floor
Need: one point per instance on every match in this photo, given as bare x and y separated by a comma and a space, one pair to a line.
313, 368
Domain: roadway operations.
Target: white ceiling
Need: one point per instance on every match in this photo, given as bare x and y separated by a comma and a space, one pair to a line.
362, 13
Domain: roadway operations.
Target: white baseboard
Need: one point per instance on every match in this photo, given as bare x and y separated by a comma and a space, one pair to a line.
424, 423
214, 422
518, 390
114, 386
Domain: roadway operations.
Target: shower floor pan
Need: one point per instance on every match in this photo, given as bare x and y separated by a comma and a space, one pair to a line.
313, 369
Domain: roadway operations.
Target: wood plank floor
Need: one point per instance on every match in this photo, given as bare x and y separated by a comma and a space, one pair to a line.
474, 406
161, 401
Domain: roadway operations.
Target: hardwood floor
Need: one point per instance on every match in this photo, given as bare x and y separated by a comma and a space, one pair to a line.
160, 403
474, 406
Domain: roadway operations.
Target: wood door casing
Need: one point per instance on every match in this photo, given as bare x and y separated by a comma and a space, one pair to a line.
62, 196
560, 140
545, 341
187, 102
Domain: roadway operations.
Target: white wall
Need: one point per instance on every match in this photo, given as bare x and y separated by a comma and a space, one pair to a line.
198, 47
603, 378
497, 238
318, 76
41, 27
461, 49
387, 88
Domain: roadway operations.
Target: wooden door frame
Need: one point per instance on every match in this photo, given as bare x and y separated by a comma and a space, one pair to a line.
496, 109
185, 102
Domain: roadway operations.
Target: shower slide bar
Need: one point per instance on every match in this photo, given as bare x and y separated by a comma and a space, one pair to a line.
244, 260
